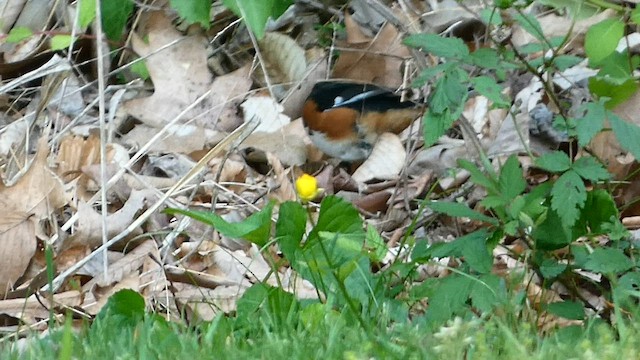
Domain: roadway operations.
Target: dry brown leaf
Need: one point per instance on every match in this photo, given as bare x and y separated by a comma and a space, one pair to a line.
284, 58
180, 75
88, 231
285, 191
378, 61
33, 309
34, 197
102, 295
385, 162
181, 138
227, 92
289, 149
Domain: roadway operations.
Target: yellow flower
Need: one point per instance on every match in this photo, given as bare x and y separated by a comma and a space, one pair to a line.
307, 187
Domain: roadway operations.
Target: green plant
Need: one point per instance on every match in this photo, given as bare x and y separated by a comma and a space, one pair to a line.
575, 204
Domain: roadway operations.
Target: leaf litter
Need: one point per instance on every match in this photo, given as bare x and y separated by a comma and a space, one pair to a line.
179, 265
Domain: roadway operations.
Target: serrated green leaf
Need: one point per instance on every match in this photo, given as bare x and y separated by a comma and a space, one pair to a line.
61, 42
590, 169
602, 39
18, 34
486, 58
627, 134
193, 11
439, 46
550, 268
591, 123
435, 125
478, 177
487, 292
491, 90
608, 261
429, 73
556, 161
512, 182
531, 25
450, 298
86, 13
256, 228
568, 196
115, 15
567, 309
459, 210
473, 248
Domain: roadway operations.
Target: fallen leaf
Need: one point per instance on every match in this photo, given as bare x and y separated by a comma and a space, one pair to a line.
34, 197
385, 162
378, 61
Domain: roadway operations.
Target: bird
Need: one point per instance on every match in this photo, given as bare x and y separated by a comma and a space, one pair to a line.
344, 119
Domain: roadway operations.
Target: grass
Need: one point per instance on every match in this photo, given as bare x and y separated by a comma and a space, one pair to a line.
329, 336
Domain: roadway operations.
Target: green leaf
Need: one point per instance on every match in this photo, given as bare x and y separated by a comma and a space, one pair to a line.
18, 34
473, 248
608, 261
602, 39
435, 125
478, 177
531, 25
290, 228
193, 11
376, 243
274, 302
126, 303
449, 93
60, 42
590, 169
86, 13
429, 73
551, 234
486, 58
256, 228
568, 196
447, 48
597, 213
563, 62
556, 161
489, 87
550, 268
627, 134
256, 13
567, 309
449, 298
591, 123
140, 68
616, 92
115, 15
459, 210
635, 16
512, 182
487, 292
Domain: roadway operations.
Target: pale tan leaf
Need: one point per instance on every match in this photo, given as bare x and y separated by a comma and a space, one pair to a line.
17, 245
267, 111
33, 309
284, 58
385, 162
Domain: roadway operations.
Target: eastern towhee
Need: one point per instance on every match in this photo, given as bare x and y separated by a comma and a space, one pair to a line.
344, 119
